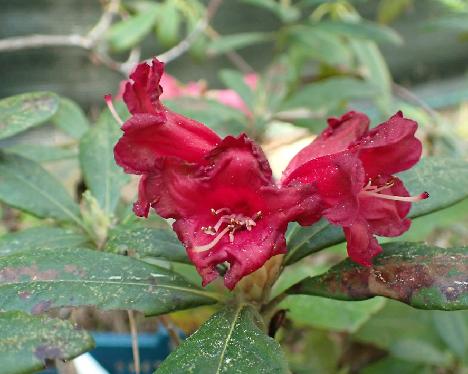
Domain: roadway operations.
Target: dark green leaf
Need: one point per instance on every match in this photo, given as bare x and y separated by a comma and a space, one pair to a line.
131, 31
27, 341
25, 185
434, 175
39, 238
144, 241
233, 42
40, 153
229, 342
334, 315
361, 30
21, 112
38, 281
389, 10
101, 174
421, 276
419, 351
71, 119
391, 365
326, 94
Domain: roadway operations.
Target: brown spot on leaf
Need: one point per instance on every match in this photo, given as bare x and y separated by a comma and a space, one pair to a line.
11, 274
41, 307
47, 352
24, 295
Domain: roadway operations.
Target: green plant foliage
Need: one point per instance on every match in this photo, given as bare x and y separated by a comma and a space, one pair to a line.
131, 31
27, 341
102, 175
333, 315
21, 112
421, 276
25, 185
281, 9
169, 22
36, 281
231, 341
39, 238
434, 175
233, 42
71, 119
235, 81
146, 242
41, 153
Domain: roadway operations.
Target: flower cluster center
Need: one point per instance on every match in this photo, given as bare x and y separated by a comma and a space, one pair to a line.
231, 222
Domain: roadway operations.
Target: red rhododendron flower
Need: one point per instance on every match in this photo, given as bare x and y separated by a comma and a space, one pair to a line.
352, 167
221, 193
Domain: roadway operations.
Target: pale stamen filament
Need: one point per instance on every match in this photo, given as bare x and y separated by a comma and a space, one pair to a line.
112, 109
373, 191
233, 222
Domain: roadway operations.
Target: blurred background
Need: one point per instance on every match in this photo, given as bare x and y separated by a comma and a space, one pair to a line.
275, 69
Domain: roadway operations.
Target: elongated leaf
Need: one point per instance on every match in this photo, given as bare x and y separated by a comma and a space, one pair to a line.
229, 342
144, 241
434, 175
233, 42
71, 119
39, 238
284, 11
129, 32
25, 185
328, 93
40, 153
101, 174
27, 341
453, 330
169, 22
421, 276
363, 29
328, 314
37, 281
21, 112
419, 351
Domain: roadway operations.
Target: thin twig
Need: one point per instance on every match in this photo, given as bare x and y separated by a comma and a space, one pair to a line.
184, 45
134, 332
407, 95
167, 323
38, 41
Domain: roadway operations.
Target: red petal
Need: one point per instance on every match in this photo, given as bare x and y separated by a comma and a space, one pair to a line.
391, 147
386, 217
338, 178
341, 132
362, 245
142, 91
147, 138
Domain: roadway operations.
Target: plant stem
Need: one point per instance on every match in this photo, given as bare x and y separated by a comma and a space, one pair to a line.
167, 323
134, 332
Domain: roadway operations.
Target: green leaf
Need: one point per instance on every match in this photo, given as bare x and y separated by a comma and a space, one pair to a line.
25, 185
21, 112
334, 315
228, 43
27, 341
38, 238
168, 24
131, 31
102, 175
328, 93
286, 13
421, 276
419, 351
434, 175
453, 330
391, 365
40, 153
231, 341
38, 281
235, 81
389, 10
146, 242
361, 30
71, 119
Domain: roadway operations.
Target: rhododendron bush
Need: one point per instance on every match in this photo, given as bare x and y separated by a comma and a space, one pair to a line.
181, 205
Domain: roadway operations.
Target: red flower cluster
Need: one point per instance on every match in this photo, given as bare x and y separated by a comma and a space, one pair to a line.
226, 205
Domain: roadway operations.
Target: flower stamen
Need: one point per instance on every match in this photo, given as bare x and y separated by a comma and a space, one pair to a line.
234, 222
374, 191
112, 109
